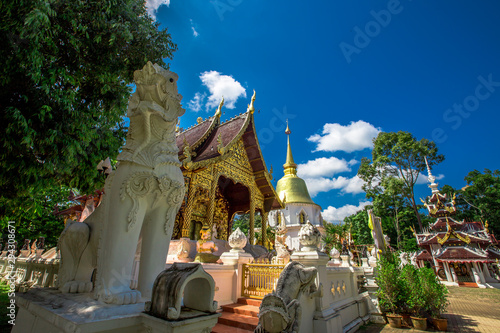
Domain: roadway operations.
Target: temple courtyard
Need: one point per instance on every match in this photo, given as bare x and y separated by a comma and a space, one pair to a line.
470, 310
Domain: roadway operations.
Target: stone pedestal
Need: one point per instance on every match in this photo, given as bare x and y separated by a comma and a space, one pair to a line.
365, 262
49, 310
234, 257
346, 262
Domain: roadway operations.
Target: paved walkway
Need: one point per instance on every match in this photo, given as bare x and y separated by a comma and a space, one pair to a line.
470, 310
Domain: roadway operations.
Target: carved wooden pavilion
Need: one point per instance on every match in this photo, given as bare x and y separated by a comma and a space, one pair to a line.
461, 251
224, 174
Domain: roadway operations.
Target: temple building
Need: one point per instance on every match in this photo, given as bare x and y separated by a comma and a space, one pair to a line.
463, 252
299, 207
225, 174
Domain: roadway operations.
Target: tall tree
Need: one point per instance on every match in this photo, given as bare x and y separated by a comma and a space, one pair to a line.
397, 155
482, 193
65, 80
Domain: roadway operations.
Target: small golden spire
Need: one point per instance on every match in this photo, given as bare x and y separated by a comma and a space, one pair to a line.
251, 108
219, 112
290, 166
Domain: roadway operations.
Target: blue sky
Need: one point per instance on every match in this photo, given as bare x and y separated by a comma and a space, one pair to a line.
341, 71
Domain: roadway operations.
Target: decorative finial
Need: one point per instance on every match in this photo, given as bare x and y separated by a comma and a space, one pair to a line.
251, 108
218, 112
199, 120
287, 131
431, 178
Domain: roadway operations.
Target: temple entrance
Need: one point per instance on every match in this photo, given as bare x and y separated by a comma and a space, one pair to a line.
462, 271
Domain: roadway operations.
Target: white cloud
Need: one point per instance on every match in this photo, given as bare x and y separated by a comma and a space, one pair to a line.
323, 167
332, 214
422, 179
153, 5
346, 185
197, 101
195, 33
355, 136
218, 85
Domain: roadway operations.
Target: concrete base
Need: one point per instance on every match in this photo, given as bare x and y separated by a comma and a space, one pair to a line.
48, 310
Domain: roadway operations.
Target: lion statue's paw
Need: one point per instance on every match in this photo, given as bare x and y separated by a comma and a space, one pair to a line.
123, 298
77, 287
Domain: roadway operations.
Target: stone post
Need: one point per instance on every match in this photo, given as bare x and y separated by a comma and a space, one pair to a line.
310, 256
346, 262
237, 257
365, 262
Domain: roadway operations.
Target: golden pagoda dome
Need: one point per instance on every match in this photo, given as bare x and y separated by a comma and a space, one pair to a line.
291, 188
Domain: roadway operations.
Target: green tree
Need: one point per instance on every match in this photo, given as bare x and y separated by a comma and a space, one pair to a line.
33, 216
242, 221
65, 80
64, 85
397, 155
482, 194
358, 227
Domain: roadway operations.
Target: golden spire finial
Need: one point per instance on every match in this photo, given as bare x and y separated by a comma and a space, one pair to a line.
290, 166
218, 112
251, 108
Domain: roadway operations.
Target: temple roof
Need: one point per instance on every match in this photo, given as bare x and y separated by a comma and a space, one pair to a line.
209, 140
462, 254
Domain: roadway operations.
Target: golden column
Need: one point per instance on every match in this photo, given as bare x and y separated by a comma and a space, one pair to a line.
265, 216
188, 208
252, 215
211, 207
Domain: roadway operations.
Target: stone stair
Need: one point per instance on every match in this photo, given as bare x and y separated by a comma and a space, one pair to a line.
239, 317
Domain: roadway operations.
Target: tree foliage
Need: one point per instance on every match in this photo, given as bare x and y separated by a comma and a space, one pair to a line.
334, 233
397, 161
65, 77
358, 227
33, 214
65, 81
480, 199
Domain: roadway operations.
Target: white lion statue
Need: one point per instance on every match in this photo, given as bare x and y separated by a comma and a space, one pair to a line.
142, 196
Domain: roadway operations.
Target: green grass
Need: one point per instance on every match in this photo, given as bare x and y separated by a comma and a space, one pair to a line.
4, 302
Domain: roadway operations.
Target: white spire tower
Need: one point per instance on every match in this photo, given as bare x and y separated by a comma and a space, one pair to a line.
431, 178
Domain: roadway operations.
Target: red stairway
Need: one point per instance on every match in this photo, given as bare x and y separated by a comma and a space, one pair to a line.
239, 317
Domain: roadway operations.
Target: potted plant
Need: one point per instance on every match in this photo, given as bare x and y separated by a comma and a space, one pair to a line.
436, 300
416, 297
390, 292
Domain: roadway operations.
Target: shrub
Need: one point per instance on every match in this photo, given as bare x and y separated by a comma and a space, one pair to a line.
433, 292
391, 292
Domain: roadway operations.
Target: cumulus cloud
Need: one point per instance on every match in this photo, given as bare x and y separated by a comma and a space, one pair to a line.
355, 136
333, 214
323, 184
323, 167
218, 85
153, 5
